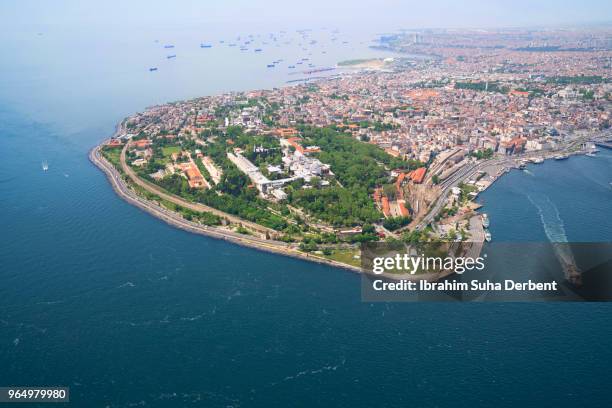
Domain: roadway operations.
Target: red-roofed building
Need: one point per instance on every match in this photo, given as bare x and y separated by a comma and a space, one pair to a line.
418, 175
385, 206
286, 132
519, 93
141, 144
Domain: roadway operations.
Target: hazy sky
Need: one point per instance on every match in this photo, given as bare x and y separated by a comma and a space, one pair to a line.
283, 14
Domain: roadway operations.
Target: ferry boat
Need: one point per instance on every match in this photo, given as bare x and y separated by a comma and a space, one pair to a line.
487, 235
45, 165
538, 160
561, 157
485, 220
152, 69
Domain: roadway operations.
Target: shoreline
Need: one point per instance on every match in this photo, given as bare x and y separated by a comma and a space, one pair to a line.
174, 219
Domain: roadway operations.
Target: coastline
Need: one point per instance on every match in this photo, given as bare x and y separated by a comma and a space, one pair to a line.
175, 220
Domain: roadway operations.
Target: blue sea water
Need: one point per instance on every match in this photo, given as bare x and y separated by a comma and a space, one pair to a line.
128, 311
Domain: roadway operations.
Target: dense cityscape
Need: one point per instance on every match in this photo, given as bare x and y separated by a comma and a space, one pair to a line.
388, 149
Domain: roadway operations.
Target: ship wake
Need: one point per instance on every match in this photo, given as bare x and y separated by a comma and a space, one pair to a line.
555, 232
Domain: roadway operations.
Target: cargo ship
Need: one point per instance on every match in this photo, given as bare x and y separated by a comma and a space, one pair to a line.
171, 56
205, 46
152, 69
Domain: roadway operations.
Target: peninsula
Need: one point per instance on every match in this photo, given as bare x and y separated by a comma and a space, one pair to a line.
315, 169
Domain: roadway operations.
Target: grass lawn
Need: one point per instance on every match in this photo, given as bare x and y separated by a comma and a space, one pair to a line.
346, 256
112, 154
167, 151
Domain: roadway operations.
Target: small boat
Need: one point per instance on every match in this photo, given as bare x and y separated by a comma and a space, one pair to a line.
538, 160
258, 50
291, 66
485, 220
45, 165
152, 69
169, 46
487, 235
270, 65
205, 46
171, 56
522, 166
561, 157
591, 154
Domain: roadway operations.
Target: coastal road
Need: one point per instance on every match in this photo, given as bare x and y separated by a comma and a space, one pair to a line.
152, 188
176, 220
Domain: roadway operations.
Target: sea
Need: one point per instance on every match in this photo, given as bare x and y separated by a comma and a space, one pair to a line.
128, 311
